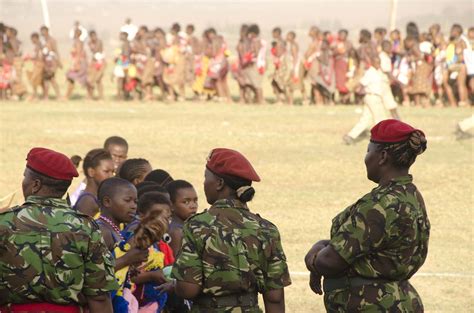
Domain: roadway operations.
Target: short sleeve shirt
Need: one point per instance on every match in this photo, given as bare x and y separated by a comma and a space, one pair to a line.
385, 233
228, 250
51, 253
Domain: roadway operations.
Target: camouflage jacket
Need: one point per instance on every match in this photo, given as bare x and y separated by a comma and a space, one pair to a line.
383, 235
50, 253
229, 250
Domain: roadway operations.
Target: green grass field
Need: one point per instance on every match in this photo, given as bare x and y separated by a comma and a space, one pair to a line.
308, 175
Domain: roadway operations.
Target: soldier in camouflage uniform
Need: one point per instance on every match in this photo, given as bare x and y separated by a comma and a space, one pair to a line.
230, 254
378, 243
52, 259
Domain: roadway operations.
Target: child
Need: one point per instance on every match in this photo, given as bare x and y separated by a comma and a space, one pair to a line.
161, 177
135, 170
97, 167
118, 204
184, 205
118, 149
148, 186
151, 206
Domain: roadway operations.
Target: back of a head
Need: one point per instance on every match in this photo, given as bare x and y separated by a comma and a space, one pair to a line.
147, 200
176, 185
149, 186
115, 140
133, 169
111, 186
159, 176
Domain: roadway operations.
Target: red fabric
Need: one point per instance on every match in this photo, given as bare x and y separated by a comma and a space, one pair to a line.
223, 161
40, 306
167, 251
391, 131
51, 163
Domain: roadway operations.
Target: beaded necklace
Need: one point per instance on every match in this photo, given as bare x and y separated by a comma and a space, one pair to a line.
112, 225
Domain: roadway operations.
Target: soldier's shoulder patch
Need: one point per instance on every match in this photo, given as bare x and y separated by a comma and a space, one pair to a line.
196, 216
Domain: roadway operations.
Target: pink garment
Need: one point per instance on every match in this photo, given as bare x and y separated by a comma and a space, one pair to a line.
149, 308
132, 301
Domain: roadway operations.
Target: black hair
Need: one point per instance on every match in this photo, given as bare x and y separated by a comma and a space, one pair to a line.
345, 31
176, 27
380, 30
44, 27
253, 29
149, 186
92, 32
404, 153
110, 186
458, 27
365, 35
277, 30
146, 201
34, 35
159, 176
93, 159
412, 31
76, 160
242, 187
292, 33
115, 140
133, 169
57, 186
176, 185
190, 26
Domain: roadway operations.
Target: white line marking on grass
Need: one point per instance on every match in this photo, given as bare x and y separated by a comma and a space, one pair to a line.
455, 275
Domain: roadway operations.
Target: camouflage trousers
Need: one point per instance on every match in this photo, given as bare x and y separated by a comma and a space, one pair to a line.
377, 297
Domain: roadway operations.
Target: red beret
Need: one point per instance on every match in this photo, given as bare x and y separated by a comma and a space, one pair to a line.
391, 131
51, 163
223, 161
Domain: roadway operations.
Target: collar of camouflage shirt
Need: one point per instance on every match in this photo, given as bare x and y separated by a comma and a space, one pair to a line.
47, 201
230, 203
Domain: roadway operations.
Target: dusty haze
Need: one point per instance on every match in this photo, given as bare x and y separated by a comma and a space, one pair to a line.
106, 16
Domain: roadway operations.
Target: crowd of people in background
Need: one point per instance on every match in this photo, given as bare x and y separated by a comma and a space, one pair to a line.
423, 68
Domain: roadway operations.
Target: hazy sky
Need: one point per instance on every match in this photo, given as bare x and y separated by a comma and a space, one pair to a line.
106, 16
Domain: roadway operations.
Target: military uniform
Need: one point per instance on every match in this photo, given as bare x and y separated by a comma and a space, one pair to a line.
384, 239
50, 253
232, 254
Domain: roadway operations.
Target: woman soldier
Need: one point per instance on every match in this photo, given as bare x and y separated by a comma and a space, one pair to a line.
378, 243
228, 253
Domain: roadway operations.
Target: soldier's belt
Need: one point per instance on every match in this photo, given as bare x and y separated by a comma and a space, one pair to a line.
242, 300
331, 284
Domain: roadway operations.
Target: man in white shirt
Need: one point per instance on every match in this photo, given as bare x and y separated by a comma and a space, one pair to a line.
374, 110
130, 29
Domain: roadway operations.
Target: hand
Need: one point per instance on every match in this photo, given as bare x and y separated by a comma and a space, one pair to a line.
315, 283
159, 277
136, 256
166, 287
313, 252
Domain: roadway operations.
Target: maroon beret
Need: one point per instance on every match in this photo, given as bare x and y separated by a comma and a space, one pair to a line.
51, 163
391, 131
223, 161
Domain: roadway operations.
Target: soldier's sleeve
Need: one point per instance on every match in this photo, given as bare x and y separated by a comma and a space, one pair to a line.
277, 275
188, 266
363, 232
98, 267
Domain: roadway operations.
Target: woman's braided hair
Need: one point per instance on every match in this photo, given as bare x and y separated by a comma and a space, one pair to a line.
404, 153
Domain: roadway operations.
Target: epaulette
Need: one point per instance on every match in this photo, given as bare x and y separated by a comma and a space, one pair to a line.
12, 209
197, 214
